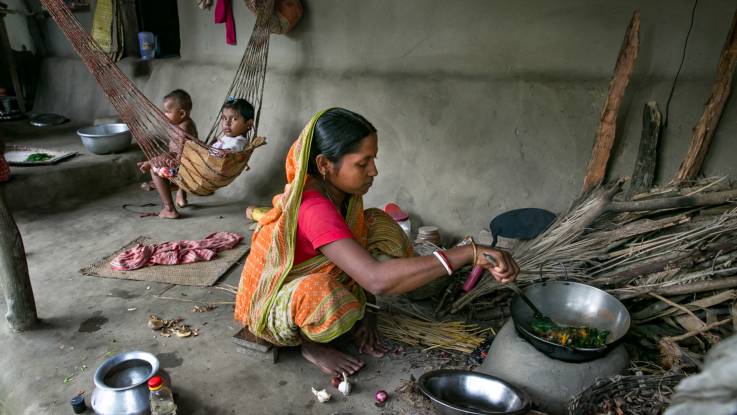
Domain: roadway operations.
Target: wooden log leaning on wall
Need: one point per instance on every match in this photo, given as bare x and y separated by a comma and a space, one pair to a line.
707, 125
604, 203
647, 155
14, 279
605, 134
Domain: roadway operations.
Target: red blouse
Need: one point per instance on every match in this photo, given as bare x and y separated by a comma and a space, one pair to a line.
318, 224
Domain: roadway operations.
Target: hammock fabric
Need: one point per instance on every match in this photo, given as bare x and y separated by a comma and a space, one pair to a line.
195, 167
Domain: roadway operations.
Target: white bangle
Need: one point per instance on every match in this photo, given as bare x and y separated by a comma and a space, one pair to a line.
443, 262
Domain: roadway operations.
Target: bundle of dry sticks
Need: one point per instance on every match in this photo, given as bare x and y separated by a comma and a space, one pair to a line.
670, 254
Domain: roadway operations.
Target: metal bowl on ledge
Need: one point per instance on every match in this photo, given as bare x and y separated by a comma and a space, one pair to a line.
105, 138
462, 392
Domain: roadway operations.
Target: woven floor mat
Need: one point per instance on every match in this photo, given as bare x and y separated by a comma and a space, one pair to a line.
200, 274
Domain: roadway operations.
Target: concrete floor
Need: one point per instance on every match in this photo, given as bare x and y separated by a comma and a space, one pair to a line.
86, 319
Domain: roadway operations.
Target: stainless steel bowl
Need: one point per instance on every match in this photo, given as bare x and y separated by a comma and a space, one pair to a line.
121, 384
456, 392
105, 138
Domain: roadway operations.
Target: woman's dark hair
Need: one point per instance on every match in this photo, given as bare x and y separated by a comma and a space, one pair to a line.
240, 105
337, 132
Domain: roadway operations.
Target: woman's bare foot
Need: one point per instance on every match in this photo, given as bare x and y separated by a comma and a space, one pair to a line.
168, 212
329, 360
181, 198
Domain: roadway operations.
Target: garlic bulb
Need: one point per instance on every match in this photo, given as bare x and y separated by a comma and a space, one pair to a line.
345, 387
322, 395
154, 322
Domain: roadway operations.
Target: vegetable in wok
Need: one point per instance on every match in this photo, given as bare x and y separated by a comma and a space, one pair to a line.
568, 336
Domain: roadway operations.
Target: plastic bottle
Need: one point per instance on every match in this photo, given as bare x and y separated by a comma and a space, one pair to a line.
147, 45
401, 217
160, 398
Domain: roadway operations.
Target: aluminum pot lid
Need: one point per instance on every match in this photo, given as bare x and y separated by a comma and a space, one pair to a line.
47, 120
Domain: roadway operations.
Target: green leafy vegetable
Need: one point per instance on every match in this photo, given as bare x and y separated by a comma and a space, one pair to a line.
35, 157
579, 337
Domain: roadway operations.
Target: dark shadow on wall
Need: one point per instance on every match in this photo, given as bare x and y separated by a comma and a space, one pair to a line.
27, 66
142, 68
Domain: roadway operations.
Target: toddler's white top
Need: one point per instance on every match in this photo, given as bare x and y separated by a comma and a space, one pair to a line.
238, 143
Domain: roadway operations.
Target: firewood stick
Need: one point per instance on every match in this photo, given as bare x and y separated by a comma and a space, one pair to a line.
705, 199
700, 304
647, 154
607, 126
701, 330
707, 125
678, 306
604, 204
690, 288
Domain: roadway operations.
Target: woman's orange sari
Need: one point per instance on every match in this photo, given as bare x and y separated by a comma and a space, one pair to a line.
276, 298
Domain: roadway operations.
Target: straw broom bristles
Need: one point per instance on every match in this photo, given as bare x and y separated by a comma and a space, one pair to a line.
448, 335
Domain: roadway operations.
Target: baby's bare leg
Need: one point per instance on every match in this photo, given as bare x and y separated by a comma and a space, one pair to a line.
181, 198
162, 187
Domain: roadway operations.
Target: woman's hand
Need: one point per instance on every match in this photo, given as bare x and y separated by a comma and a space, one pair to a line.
503, 268
367, 337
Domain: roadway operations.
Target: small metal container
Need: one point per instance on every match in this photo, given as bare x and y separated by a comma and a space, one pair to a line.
105, 138
120, 384
47, 120
78, 405
462, 392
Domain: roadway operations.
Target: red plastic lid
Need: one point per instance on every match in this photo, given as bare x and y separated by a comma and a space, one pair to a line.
154, 382
395, 212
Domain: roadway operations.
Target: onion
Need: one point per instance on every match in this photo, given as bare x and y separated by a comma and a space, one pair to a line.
381, 398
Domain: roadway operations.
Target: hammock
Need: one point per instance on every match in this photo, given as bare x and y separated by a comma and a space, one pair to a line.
188, 162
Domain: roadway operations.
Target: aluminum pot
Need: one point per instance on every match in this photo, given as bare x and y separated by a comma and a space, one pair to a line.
105, 138
571, 304
121, 384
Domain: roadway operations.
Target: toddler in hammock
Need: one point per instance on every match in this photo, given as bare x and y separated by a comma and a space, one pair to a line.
235, 121
177, 107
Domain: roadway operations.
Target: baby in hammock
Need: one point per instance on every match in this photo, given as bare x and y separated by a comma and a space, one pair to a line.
235, 121
177, 107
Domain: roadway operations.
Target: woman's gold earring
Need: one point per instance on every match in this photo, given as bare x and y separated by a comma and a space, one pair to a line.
323, 176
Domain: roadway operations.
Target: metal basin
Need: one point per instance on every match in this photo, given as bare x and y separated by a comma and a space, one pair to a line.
121, 384
105, 138
571, 304
456, 392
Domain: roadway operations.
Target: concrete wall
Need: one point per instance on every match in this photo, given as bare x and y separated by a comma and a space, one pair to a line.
481, 106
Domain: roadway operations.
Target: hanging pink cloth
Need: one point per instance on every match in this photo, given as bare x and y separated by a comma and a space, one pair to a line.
224, 14
175, 252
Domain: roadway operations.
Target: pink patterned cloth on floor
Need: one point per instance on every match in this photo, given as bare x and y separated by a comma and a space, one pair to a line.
175, 252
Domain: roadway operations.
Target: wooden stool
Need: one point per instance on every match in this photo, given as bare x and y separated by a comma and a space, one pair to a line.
245, 339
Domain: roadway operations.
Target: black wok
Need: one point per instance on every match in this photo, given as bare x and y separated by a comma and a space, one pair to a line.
571, 304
